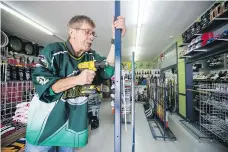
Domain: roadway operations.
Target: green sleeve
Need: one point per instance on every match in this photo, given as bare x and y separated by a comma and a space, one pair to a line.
108, 71
52, 93
45, 75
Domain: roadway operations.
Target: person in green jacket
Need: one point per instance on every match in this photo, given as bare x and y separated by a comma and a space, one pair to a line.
58, 112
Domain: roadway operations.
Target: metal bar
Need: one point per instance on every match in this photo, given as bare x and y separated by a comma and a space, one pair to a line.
222, 39
159, 127
124, 101
133, 101
202, 50
156, 99
198, 34
153, 132
186, 56
117, 130
198, 136
164, 118
221, 19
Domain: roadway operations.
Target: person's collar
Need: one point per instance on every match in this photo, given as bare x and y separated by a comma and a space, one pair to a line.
70, 48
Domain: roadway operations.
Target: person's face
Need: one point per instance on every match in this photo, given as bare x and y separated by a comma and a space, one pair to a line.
83, 37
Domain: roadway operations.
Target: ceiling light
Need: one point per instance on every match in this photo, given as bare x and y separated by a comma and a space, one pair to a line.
171, 36
24, 18
141, 8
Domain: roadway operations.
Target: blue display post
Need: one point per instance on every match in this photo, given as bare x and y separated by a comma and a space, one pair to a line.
133, 101
117, 130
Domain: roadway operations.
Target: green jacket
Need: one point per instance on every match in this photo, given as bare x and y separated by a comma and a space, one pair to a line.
60, 119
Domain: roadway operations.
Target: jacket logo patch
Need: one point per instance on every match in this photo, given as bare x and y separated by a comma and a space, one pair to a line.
72, 93
42, 80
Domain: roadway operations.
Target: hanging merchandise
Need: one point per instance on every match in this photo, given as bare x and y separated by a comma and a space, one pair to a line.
4, 40
157, 111
16, 87
171, 84
7, 130
21, 114
126, 98
15, 44
29, 48
113, 94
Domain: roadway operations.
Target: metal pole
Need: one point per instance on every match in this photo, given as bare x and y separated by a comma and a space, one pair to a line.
125, 106
117, 130
156, 99
165, 102
133, 101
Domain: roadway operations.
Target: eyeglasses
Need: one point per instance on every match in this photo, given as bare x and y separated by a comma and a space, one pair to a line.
88, 32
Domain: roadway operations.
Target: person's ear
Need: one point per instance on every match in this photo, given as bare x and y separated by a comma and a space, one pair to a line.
72, 33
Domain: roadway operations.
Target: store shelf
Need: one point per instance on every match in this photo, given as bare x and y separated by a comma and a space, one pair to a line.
225, 38
206, 47
212, 44
191, 38
214, 90
196, 91
217, 22
216, 104
184, 57
216, 130
214, 48
197, 109
13, 137
184, 44
221, 123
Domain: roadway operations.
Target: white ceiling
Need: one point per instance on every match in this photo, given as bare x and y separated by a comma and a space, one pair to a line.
161, 19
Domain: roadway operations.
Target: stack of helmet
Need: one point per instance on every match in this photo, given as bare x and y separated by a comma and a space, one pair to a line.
195, 44
218, 9
194, 27
218, 36
205, 19
184, 36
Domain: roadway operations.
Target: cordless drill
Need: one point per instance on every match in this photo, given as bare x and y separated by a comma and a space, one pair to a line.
91, 65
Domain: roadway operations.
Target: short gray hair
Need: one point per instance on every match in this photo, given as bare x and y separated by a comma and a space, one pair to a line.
77, 21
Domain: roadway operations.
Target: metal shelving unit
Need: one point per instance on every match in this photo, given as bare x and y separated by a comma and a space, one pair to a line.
158, 103
126, 101
16, 87
214, 111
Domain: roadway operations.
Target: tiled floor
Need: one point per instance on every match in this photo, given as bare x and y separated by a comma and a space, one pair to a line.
102, 139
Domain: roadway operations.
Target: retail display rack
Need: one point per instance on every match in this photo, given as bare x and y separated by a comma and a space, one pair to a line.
158, 102
126, 96
170, 76
207, 34
18, 59
205, 55
207, 86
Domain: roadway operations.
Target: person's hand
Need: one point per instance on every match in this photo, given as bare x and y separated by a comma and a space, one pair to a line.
86, 77
118, 24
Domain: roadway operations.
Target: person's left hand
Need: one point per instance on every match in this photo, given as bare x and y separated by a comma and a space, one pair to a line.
118, 24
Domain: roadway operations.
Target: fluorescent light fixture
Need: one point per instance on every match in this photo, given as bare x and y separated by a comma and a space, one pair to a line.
141, 8
24, 18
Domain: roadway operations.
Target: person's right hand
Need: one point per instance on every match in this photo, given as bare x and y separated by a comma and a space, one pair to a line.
86, 77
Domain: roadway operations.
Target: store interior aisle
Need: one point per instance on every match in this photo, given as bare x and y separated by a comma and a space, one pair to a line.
102, 139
